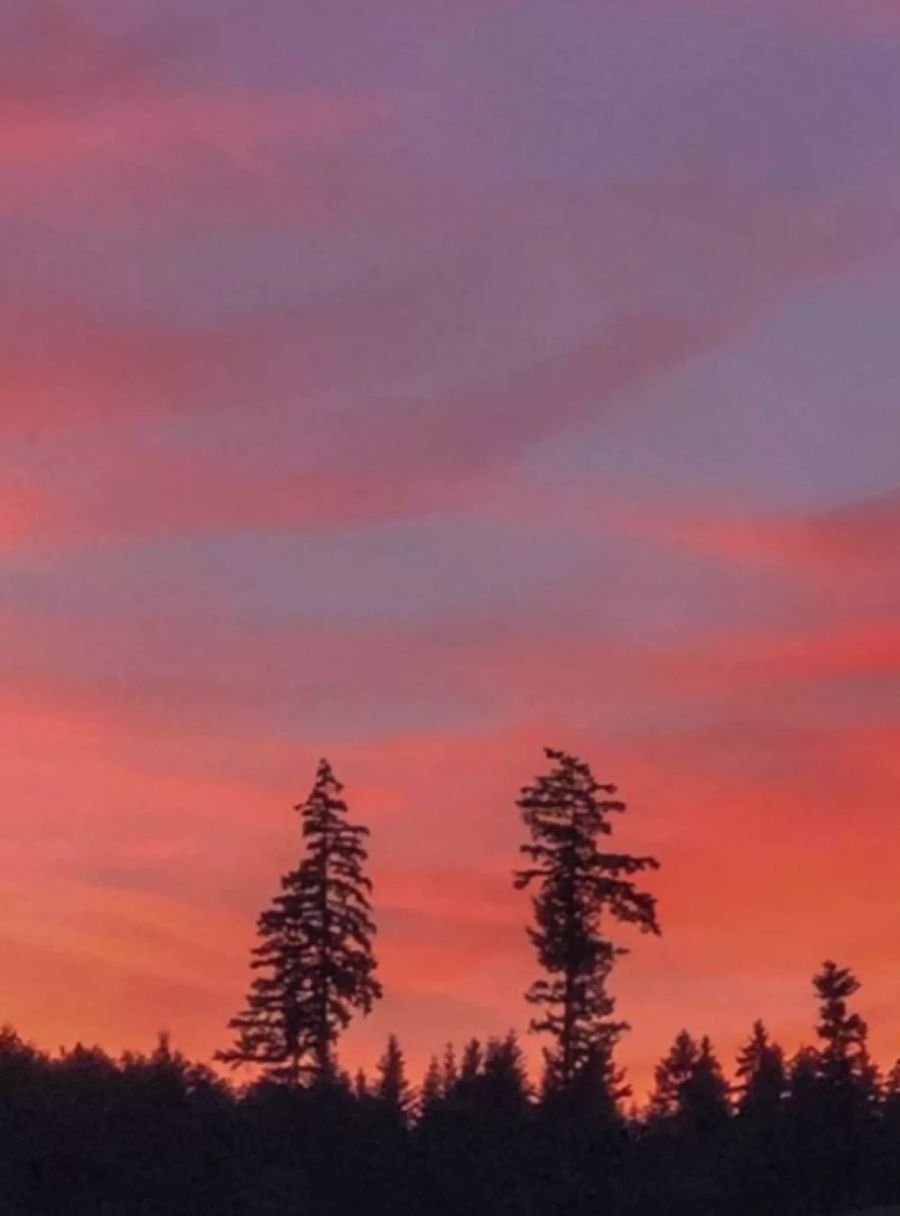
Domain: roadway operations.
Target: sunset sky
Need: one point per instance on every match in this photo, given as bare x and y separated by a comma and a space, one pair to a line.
417, 383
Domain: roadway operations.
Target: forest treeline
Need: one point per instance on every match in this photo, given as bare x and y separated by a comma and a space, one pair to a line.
158, 1135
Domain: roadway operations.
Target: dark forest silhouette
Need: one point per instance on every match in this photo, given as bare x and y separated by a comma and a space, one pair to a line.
158, 1135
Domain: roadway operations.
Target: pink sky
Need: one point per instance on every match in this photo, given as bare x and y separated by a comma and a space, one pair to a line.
418, 392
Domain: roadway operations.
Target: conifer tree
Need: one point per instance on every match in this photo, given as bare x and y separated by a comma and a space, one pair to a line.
504, 1079
762, 1079
838, 1115
848, 1077
432, 1089
599, 1089
449, 1070
566, 812
470, 1065
803, 1077
391, 1085
703, 1100
689, 1084
843, 1056
761, 1148
672, 1074
314, 960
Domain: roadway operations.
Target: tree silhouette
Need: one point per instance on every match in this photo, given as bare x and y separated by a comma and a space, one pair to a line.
833, 1093
504, 1079
762, 1086
703, 1098
83, 1132
566, 810
391, 1086
449, 1069
672, 1074
843, 1055
314, 959
762, 1080
432, 1088
470, 1064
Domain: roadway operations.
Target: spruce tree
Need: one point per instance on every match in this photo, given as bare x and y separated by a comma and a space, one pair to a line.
803, 1079
432, 1089
566, 812
838, 1123
672, 1075
449, 1070
762, 1151
314, 960
761, 1075
391, 1086
843, 1057
470, 1064
704, 1098
598, 1090
504, 1079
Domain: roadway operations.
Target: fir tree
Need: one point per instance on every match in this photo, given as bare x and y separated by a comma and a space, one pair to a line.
832, 1099
703, 1098
599, 1089
761, 1074
470, 1065
566, 811
504, 1079
843, 1056
391, 1086
672, 1074
762, 1153
314, 960
803, 1079
432, 1089
449, 1070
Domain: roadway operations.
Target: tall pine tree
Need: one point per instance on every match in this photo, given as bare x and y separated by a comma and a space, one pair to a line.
577, 884
314, 960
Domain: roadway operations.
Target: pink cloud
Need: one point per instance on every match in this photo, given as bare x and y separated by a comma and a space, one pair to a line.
87, 128
857, 540
145, 129
336, 439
